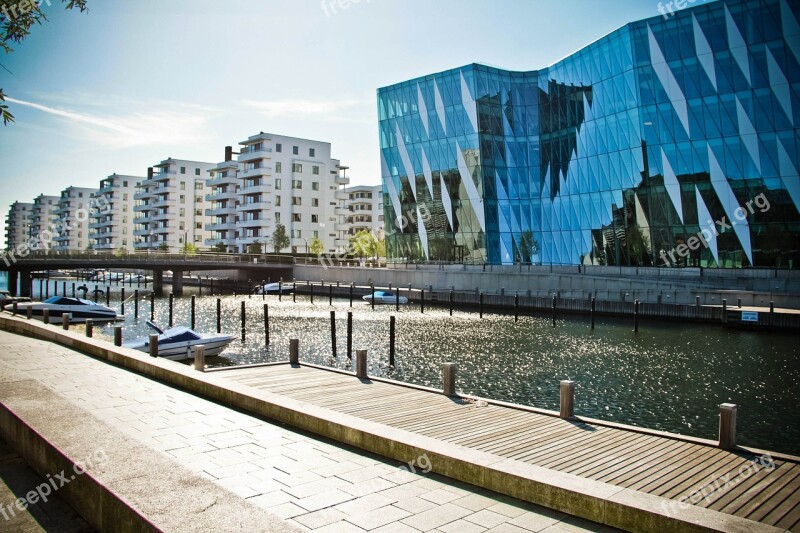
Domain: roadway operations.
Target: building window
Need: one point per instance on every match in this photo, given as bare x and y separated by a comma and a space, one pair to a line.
297, 184
315, 202
182, 227
183, 170
315, 170
296, 200
198, 199
314, 185
183, 185
197, 237
277, 201
277, 184
124, 183
277, 167
124, 196
311, 152
277, 218
182, 212
297, 167
297, 234
198, 225
278, 147
295, 150
296, 217
197, 172
314, 219
198, 185
183, 198
198, 212
316, 234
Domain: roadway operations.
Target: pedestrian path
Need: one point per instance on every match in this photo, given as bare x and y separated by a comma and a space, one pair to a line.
307, 482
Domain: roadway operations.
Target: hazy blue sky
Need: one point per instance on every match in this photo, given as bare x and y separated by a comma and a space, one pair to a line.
129, 83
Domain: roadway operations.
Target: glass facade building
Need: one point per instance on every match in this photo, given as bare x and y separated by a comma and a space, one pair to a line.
672, 141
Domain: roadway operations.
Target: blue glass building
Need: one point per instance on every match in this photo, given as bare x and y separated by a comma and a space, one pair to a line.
672, 141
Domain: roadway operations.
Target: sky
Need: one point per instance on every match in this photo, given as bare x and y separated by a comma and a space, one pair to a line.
130, 83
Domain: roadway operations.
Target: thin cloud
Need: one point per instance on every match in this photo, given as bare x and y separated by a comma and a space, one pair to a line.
332, 109
155, 127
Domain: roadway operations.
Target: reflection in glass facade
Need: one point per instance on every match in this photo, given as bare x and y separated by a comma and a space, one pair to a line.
643, 148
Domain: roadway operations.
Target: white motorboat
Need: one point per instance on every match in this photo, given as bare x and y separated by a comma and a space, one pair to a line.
274, 288
385, 297
78, 308
178, 343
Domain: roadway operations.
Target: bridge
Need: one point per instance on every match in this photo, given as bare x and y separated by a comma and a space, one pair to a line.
262, 266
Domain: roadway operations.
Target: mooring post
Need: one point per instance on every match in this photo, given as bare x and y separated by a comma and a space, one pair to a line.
136, 304
361, 364
724, 311
567, 399
65, 321
117, 335
210, 287
153, 345
108, 296
280, 290
46, 316
249, 288
372, 294
391, 340
200, 358
739, 303
122, 301
40, 289
480, 305
171, 301
422, 301
591, 313
636, 316
449, 378
397, 300
351, 294
96, 290
311, 288
554, 310
244, 322
516, 307
89, 327
266, 324
350, 335
333, 333
294, 352
294, 290
727, 426
219, 315
14, 308
451, 302
29, 312
73, 290
64, 289
191, 313
330, 294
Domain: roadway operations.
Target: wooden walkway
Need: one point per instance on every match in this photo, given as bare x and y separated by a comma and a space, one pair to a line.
685, 472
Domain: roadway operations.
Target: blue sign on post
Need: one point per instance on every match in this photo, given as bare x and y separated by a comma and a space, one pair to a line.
749, 316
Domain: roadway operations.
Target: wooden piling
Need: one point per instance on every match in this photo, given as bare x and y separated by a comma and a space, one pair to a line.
391, 340
136, 304
200, 358
266, 324
449, 378
294, 352
153, 345
312, 292
333, 333
152, 306
349, 335
29, 312
636, 316
191, 312
219, 315
14, 308
361, 364
117, 335
294, 291
64, 289
108, 296
724, 311
330, 294
480, 305
280, 290
65, 321
451, 302
591, 314
567, 407
422, 301
171, 302
244, 321
122, 301
397, 300
73, 289
554, 310
46, 316
89, 327
727, 426
516, 307
372, 294
351, 296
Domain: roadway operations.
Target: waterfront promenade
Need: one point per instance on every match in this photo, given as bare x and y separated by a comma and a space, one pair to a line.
185, 463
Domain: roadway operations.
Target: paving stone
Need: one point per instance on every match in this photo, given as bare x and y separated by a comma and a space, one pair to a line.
328, 498
365, 504
287, 510
507, 509
461, 526
415, 505
487, 519
378, 517
321, 518
339, 527
436, 517
439, 496
533, 521
368, 487
474, 502
315, 487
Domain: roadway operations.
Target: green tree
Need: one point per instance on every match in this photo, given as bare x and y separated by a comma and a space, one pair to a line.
163, 247
255, 248
189, 249
380, 247
15, 25
220, 247
279, 238
316, 247
364, 244
120, 252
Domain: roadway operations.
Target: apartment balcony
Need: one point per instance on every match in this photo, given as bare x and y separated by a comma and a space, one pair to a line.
254, 206
342, 242
254, 222
263, 188
107, 188
161, 216
61, 210
227, 180
341, 194
102, 234
158, 202
222, 240
217, 211
103, 224
141, 232
255, 154
227, 226
143, 195
253, 172
162, 230
230, 194
250, 240
341, 226
342, 211
342, 180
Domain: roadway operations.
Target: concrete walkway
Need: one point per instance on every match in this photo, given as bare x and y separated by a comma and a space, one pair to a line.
189, 464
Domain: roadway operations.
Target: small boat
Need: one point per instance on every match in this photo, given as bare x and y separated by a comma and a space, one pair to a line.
385, 297
7, 300
274, 288
178, 343
78, 308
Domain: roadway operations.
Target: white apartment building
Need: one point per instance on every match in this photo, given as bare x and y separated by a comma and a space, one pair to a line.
365, 206
111, 226
278, 180
18, 222
42, 218
170, 206
71, 219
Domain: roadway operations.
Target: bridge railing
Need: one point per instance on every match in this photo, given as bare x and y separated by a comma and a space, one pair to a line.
161, 257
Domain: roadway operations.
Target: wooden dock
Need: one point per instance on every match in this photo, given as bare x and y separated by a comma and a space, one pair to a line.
686, 472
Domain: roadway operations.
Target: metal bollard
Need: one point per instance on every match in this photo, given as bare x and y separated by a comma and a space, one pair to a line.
727, 426
29, 312
567, 399
333, 333
350, 335
266, 324
192, 312
14, 308
391, 340
449, 378
153, 345
117, 335
46, 316
65, 321
200, 358
294, 352
361, 364
89, 327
